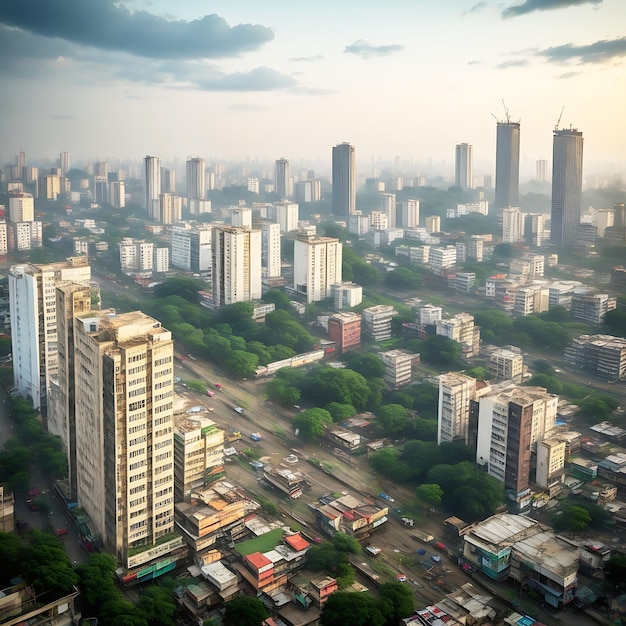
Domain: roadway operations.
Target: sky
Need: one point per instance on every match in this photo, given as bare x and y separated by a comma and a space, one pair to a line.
230, 79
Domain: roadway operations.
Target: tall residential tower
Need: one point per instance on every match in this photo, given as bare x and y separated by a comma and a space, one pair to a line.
463, 166
344, 179
152, 186
567, 181
507, 164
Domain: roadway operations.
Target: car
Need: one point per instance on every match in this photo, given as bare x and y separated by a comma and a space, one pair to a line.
257, 464
239, 410
435, 558
386, 496
256, 436
210, 393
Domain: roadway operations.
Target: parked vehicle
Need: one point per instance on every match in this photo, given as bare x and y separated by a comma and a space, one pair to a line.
210, 393
256, 436
373, 550
386, 496
239, 410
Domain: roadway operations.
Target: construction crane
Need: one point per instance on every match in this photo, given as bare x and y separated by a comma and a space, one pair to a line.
506, 112
559, 120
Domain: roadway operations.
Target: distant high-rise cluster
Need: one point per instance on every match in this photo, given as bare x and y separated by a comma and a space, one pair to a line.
567, 179
344, 179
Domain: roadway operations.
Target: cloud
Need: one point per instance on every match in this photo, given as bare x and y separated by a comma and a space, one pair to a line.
259, 79
245, 106
314, 57
513, 63
597, 52
529, 6
108, 25
479, 6
367, 50
567, 75
473, 62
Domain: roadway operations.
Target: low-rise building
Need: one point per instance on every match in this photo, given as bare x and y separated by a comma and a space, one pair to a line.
398, 367
591, 308
350, 515
602, 355
506, 364
346, 295
345, 330
377, 321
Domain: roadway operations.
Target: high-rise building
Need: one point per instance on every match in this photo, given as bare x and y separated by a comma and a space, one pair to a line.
316, 266
308, 190
152, 186
236, 266
118, 194
408, 213
196, 179
64, 162
433, 224
191, 248
541, 173
21, 207
136, 255
33, 321
512, 224
287, 215
344, 179
101, 189
507, 164
463, 166
123, 391
49, 187
170, 208
567, 178
534, 229
282, 179
377, 321
388, 207
270, 249
453, 415
168, 180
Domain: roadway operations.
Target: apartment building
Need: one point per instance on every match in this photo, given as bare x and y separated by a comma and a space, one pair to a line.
528, 300
347, 295
198, 453
441, 258
345, 330
32, 301
377, 321
505, 364
461, 328
601, 355
456, 391
398, 367
591, 308
191, 248
430, 314
316, 266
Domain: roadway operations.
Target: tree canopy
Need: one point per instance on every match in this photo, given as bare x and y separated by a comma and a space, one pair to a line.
244, 611
311, 423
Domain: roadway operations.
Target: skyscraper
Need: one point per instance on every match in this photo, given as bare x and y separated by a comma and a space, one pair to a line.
282, 179
270, 249
64, 162
463, 166
512, 224
152, 186
567, 180
344, 179
236, 267
507, 164
196, 181
541, 173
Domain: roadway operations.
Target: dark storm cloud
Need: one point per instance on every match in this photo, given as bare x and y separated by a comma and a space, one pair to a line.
107, 25
597, 52
368, 50
529, 6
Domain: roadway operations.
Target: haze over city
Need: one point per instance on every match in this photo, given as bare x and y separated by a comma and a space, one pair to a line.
236, 79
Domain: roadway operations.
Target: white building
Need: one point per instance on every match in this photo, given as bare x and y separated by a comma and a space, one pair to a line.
346, 295
358, 224
433, 224
506, 364
287, 215
430, 314
388, 207
191, 248
512, 225
377, 321
25, 235
398, 367
591, 308
236, 267
241, 217
21, 207
308, 190
81, 246
4, 237
532, 299
170, 208
379, 221
316, 266
442, 258
136, 255
33, 321
196, 179
453, 413
461, 328
270, 249
161, 260
409, 213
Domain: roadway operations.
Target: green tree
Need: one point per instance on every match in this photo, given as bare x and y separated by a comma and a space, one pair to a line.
615, 573
539, 366
351, 609
244, 611
344, 543
480, 373
429, 494
368, 365
574, 519
157, 605
387, 462
186, 288
311, 423
279, 391
340, 412
241, 364
393, 418
440, 350
327, 384
401, 600
278, 298
403, 279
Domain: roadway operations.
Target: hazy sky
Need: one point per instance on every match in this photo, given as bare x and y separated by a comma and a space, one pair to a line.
234, 78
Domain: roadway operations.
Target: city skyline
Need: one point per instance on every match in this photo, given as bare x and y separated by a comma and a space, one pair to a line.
412, 80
